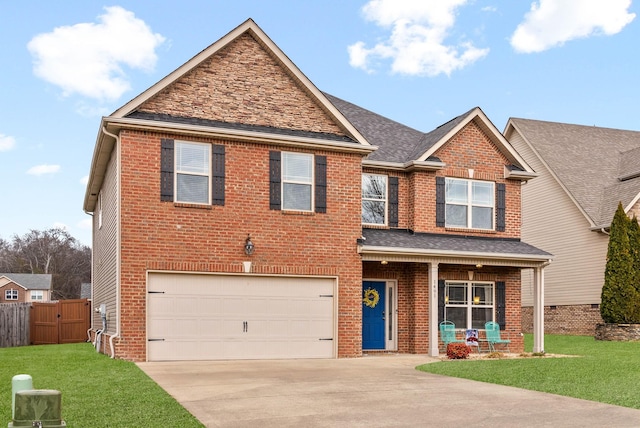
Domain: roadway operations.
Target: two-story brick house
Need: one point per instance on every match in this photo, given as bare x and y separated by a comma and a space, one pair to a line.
240, 212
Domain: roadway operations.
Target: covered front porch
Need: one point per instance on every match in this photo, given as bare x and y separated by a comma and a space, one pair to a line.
429, 277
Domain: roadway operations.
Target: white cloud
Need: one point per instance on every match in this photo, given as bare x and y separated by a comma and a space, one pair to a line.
86, 224
43, 169
84, 180
551, 23
6, 143
416, 45
87, 58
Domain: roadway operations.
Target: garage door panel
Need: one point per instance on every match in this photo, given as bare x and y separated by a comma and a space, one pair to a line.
203, 317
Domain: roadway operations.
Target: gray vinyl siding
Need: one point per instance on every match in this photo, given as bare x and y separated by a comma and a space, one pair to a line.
551, 221
105, 248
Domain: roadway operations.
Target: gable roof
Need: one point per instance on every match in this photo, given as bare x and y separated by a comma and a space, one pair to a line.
596, 167
407, 147
30, 281
128, 115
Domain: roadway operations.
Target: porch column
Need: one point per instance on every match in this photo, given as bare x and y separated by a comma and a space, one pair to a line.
538, 309
433, 310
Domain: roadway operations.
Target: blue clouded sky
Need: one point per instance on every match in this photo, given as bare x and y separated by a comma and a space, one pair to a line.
421, 62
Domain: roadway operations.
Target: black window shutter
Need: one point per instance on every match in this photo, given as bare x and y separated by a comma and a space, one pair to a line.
166, 170
275, 192
440, 300
393, 201
217, 161
500, 206
321, 184
440, 201
501, 303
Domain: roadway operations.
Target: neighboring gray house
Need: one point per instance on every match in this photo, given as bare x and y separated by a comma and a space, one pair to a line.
584, 172
24, 287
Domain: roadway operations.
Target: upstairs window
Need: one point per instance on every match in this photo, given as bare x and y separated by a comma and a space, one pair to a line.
193, 172
469, 203
11, 294
374, 199
297, 181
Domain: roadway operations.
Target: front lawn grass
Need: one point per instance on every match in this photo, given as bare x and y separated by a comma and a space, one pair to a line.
608, 372
96, 390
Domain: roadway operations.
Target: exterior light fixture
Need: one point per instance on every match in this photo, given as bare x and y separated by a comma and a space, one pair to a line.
384, 262
479, 265
248, 246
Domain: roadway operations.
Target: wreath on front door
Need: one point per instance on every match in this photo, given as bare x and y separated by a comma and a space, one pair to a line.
370, 297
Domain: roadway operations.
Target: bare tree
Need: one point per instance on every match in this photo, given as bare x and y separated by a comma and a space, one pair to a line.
53, 252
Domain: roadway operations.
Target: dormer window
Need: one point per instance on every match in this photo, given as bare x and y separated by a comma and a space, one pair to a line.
469, 203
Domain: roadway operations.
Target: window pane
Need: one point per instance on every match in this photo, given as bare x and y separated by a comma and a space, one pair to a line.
456, 315
296, 197
373, 212
484, 293
456, 215
192, 158
297, 167
480, 316
482, 218
456, 191
374, 186
193, 188
456, 294
481, 193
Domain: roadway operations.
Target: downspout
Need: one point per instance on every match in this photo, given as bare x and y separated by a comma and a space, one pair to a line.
90, 327
117, 334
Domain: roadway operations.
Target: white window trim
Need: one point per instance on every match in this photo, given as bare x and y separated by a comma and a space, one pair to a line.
469, 205
469, 305
385, 200
11, 294
209, 175
311, 184
36, 295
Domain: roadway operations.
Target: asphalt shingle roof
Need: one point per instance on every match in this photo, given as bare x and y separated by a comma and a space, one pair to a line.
161, 117
589, 161
400, 238
30, 281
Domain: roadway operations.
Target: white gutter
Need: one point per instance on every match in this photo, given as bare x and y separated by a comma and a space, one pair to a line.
391, 251
113, 352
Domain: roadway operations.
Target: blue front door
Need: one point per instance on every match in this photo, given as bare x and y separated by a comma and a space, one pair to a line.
373, 301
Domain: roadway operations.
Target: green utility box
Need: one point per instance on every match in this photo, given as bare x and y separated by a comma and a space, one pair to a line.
38, 407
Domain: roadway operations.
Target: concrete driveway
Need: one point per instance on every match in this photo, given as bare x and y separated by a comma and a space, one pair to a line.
372, 391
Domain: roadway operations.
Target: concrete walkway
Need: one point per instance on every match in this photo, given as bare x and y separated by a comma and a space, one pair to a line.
372, 391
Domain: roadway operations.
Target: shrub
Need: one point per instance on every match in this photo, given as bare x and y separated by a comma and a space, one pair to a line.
619, 294
458, 351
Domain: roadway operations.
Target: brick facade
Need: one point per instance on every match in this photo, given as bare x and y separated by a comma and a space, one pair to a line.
246, 83
22, 293
565, 319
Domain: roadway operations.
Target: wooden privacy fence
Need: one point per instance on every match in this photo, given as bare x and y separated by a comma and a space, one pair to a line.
64, 321
14, 324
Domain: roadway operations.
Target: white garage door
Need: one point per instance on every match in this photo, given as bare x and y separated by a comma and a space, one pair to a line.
213, 317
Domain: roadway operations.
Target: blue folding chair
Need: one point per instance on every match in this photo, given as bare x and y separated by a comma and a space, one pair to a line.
448, 333
493, 336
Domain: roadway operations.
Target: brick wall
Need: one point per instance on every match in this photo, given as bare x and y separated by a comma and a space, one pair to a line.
159, 235
565, 319
22, 293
